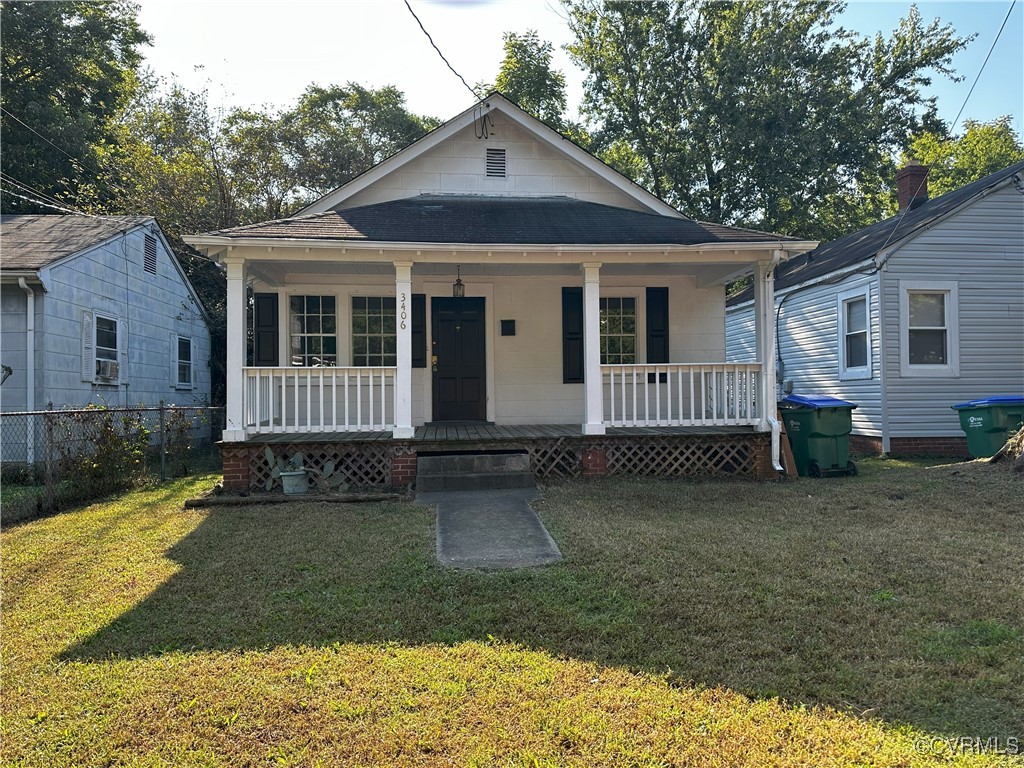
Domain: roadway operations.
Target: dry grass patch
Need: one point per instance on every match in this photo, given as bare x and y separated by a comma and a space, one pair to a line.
882, 609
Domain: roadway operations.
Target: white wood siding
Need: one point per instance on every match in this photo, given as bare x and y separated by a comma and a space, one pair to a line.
981, 249
110, 280
457, 166
809, 347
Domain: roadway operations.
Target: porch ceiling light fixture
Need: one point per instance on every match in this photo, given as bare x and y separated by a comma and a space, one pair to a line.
458, 287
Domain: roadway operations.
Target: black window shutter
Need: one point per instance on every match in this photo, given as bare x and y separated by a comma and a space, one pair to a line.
572, 335
419, 330
657, 325
265, 332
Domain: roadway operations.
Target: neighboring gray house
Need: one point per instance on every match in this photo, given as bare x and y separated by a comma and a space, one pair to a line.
96, 310
908, 316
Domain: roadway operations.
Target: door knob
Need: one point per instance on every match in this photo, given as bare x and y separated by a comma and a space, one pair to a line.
433, 363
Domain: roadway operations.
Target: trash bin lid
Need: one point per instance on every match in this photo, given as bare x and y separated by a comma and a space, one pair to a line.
817, 401
987, 401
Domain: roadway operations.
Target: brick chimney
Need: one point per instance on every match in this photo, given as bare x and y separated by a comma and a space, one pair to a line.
912, 185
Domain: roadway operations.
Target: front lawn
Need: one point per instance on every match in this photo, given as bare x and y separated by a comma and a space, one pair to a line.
851, 621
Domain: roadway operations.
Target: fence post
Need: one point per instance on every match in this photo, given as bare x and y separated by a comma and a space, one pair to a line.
48, 436
163, 445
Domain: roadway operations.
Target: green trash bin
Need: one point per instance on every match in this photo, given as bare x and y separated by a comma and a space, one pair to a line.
989, 421
819, 429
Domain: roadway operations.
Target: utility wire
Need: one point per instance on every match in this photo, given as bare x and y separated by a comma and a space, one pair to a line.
963, 106
468, 88
40, 202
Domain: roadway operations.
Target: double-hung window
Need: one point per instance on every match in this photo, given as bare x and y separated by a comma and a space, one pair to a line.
929, 333
374, 340
183, 378
313, 331
618, 331
855, 334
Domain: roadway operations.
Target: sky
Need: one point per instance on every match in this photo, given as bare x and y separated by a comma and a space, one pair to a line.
263, 54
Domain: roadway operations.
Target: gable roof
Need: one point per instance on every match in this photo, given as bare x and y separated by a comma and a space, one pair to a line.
483, 219
30, 242
866, 243
494, 101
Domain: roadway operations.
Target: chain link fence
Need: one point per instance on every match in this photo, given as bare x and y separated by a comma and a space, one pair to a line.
55, 458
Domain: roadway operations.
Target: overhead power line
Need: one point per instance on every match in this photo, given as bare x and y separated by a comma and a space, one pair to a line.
468, 88
924, 179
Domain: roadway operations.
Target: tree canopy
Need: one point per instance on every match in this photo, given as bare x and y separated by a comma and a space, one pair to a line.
761, 113
66, 70
954, 161
527, 78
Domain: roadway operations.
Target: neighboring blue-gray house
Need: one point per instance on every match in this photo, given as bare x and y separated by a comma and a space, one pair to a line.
96, 310
908, 316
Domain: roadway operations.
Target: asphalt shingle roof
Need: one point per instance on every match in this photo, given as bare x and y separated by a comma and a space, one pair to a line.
29, 242
479, 219
865, 243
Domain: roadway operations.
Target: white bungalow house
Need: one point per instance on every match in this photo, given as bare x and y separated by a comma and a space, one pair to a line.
95, 311
908, 316
493, 286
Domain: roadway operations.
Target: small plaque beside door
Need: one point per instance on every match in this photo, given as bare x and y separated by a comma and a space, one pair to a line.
508, 327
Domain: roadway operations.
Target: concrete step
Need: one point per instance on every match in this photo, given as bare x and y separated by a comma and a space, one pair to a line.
435, 464
474, 481
473, 471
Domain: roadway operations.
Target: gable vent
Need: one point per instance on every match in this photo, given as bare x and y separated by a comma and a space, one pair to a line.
495, 163
149, 255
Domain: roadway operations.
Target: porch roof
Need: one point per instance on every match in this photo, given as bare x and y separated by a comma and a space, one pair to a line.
492, 220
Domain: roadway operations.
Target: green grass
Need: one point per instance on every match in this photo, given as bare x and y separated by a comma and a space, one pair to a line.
830, 622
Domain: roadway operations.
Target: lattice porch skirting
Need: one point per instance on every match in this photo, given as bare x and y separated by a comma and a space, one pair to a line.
391, 463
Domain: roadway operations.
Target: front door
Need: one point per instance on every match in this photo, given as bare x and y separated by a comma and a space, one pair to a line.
460, 368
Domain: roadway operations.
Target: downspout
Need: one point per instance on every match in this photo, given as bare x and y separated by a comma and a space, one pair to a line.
772, 421
30, 367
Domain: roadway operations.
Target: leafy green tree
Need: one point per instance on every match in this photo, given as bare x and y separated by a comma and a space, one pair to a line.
66, 70
954, 161
761, 113
527, 78
338, 132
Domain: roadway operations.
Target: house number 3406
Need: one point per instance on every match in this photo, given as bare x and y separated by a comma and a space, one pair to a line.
403, 316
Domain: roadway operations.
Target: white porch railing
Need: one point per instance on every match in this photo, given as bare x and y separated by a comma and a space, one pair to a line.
674, 395
293, 399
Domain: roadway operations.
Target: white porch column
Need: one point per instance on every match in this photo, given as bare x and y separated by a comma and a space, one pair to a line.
236, 331
594, 420
403, 378
764, 326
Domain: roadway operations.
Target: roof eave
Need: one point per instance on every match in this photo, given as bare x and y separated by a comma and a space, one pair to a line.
219, 244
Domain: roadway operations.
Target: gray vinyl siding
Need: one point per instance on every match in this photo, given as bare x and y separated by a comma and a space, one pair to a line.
740, 336
110, 280
981, 249
13, 305
809, 346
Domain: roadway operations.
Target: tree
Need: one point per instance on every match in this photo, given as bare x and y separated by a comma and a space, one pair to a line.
955, 161
66, 70
760, 113
526, 77
338, 132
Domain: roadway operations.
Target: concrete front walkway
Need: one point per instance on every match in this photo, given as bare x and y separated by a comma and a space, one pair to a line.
490, 529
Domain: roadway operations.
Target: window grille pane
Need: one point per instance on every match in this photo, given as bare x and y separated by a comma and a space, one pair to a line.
313, 326
927, 347
927, 310
856, 315
857, 350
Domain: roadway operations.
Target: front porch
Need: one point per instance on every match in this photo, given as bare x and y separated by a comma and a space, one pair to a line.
557, 452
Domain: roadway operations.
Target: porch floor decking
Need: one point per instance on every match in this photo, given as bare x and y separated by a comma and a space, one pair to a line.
441, 433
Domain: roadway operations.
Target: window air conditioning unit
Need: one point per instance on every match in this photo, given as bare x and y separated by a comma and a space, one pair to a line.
107, 370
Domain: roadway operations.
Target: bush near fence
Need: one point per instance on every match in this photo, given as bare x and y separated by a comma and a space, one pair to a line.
55, 458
